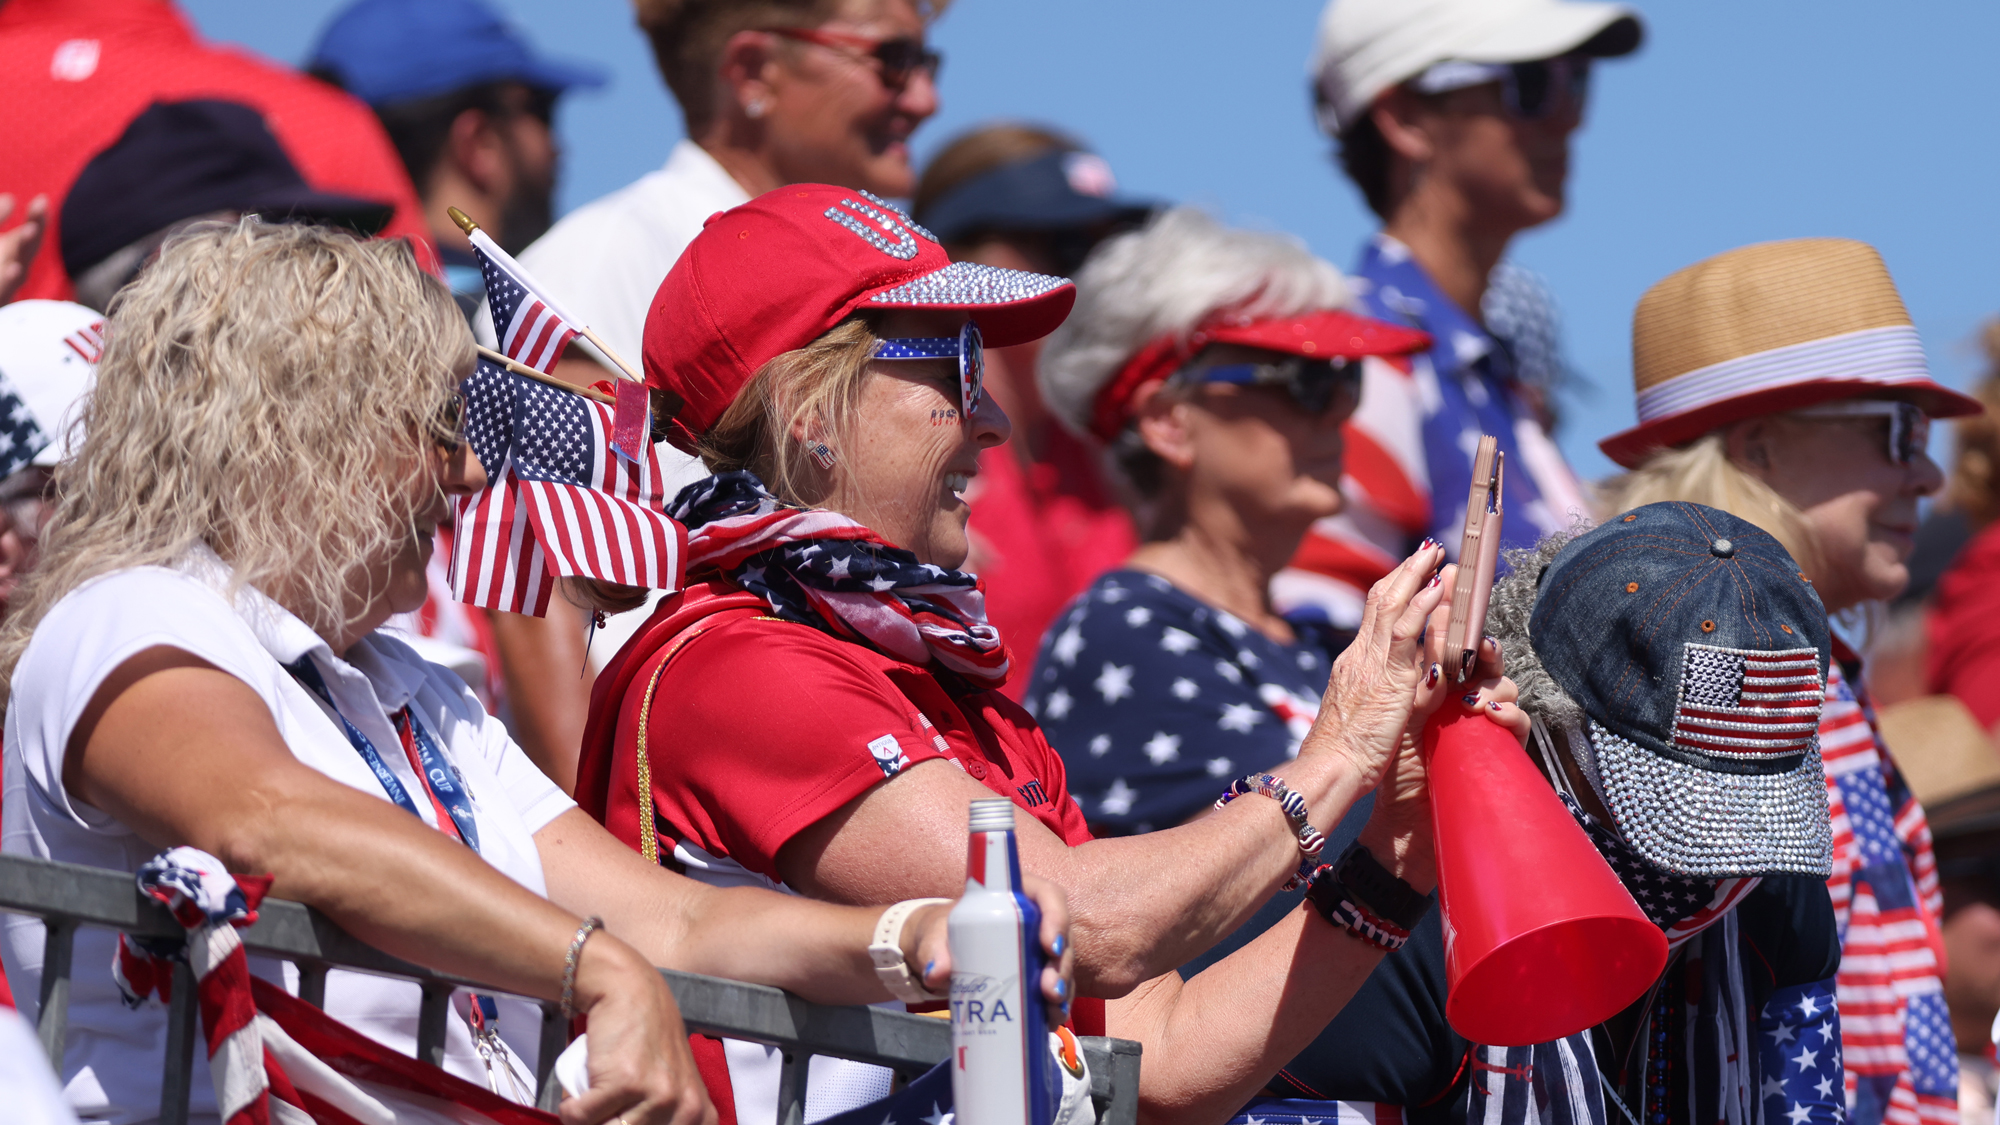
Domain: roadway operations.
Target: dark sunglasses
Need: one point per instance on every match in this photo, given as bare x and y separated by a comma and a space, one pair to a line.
1909, 427
1534, 90
1317, 385
447, 428
968, 347
896, 60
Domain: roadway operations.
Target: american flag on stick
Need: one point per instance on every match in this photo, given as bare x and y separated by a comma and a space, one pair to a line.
533, 331
558, 503
561, 501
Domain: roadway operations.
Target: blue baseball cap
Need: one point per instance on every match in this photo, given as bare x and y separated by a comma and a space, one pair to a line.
1056, 191
1699, 652
386, 52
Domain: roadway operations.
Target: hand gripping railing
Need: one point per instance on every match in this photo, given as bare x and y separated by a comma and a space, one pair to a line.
66, 895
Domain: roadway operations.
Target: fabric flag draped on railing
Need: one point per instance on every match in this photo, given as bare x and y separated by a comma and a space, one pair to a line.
273, 1057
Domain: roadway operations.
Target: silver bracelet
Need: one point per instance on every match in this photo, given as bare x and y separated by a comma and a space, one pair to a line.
590, 925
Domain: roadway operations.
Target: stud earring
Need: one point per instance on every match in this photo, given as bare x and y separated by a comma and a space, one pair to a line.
754, 108
821, 453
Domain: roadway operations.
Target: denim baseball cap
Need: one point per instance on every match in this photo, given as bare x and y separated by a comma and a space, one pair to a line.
1698, 651
390, 51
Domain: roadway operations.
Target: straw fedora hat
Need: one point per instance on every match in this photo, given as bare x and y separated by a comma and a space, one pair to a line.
1766, 328
1951, 764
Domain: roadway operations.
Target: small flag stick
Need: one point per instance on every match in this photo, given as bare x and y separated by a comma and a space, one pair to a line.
590, 393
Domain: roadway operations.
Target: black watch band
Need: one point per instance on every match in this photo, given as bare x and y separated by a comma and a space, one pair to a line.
1389, 897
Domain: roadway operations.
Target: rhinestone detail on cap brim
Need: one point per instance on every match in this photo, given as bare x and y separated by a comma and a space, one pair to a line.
969, 283
1703, 823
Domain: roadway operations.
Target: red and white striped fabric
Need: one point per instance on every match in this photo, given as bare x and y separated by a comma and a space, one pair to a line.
274, 1058
1728, 893
1887, 901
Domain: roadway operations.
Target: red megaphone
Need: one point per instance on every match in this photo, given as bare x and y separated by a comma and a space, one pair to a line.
1541, 940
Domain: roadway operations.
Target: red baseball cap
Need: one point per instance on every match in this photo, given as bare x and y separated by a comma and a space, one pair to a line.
1320, 334
778, 272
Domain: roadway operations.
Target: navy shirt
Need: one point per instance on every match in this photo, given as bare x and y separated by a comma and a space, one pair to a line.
1156, 700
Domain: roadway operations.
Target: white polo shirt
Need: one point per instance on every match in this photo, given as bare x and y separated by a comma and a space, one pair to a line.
113, 1055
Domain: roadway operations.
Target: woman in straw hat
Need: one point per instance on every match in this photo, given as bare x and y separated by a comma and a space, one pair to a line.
1784, 382
821, 704
273, 438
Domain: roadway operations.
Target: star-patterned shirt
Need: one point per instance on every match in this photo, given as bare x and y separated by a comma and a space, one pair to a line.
1157, 700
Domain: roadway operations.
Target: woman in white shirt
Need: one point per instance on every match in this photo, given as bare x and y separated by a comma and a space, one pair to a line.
272, 443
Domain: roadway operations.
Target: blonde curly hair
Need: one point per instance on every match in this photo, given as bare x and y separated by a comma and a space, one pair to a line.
265, 390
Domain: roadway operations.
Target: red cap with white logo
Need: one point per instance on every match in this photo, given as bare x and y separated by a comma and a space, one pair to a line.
778, 272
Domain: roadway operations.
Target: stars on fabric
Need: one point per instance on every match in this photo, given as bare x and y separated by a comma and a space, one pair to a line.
1153, 697
1239, 717
1114, 683
1068, 644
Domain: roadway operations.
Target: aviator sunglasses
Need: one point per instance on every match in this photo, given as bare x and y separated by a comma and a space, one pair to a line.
1909, 427
1529, 91
967, 347
896, 60
1317, 385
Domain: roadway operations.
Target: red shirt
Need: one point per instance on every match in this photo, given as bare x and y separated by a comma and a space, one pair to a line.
74, 73
1964, 623
762, 727
1041, 533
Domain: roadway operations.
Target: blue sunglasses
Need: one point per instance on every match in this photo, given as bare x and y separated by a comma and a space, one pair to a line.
967, 347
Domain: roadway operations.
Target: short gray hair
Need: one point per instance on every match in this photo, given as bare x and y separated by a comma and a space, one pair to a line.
1169, 277
1507, 617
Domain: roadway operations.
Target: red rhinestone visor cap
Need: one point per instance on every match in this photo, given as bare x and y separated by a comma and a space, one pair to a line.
778, 272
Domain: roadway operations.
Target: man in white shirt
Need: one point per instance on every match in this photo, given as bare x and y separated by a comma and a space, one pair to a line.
775, 93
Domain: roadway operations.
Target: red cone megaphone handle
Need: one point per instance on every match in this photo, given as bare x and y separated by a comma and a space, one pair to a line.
1541, 940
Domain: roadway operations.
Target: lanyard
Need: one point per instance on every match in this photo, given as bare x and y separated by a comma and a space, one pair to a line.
447, 796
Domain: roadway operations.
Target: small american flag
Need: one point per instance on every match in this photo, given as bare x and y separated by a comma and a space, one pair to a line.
531, 328
559, 502
1742, 702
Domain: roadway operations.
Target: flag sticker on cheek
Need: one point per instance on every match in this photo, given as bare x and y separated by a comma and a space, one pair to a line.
889, 755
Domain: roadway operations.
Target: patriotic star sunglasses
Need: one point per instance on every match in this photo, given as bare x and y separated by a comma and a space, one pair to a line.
967, 347
1909, 427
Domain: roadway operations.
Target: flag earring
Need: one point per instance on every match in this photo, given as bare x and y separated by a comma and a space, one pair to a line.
821, 452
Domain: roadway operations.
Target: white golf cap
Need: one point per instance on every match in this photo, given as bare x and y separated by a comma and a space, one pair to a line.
48, 356
1366, 46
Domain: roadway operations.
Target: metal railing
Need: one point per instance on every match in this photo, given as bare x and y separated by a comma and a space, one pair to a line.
66, 896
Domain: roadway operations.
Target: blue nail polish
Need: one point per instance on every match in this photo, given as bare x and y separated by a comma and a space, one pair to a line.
930, 967
1470, 700
1061, 943
1062, 990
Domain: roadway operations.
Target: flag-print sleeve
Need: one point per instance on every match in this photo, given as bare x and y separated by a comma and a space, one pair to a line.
1800, 1079
761, 728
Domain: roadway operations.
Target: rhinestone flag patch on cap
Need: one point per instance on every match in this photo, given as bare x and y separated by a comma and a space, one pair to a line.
1739, 703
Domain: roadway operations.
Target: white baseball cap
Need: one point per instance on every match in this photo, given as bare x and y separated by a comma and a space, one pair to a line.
48, 357
1366, 46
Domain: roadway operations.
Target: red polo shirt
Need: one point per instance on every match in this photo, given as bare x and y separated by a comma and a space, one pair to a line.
74, 73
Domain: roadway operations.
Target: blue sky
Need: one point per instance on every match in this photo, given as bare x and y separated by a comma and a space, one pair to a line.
1739, 121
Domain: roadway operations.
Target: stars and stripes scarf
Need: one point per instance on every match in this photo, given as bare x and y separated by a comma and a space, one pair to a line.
820, 568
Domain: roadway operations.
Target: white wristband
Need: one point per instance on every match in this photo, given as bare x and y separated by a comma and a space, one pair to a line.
886, 949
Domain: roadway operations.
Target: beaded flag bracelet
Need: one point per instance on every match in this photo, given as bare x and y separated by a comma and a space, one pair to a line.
1311, 842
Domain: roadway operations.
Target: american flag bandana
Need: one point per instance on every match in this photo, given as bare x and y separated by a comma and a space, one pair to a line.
820, 568
559, 502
